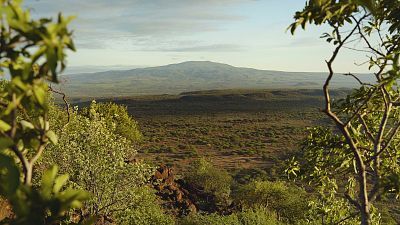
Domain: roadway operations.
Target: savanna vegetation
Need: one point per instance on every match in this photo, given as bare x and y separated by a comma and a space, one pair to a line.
236, 129
241, 156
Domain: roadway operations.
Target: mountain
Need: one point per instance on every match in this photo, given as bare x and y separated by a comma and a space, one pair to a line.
189, 76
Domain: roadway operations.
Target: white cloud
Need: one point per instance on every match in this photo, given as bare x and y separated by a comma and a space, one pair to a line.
100, 23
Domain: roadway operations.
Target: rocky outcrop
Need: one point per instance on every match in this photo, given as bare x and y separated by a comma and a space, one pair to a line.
176, 199
5, 210
104, 220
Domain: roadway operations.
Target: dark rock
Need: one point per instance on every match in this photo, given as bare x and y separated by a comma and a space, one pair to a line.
175, 197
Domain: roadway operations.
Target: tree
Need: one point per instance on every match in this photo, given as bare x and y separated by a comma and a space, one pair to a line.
367, 121
32, 52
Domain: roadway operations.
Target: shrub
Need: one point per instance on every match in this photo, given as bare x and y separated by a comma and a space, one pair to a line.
256, 216
146, 210
122, 123
287, 201
211, 219
94, 154
212, 180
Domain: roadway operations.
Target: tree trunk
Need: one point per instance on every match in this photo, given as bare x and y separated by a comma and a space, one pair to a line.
365, 205
28, 175
365, 216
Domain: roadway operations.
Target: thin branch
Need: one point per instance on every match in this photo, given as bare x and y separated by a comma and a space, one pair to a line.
346, 218
391, 137
361, 64
39, 152
360, 107
359, 50
365, 126
64, 97
352, 201
22, 159
366, 40
358, 79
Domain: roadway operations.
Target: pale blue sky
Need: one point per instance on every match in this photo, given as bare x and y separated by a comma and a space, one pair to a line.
246, 33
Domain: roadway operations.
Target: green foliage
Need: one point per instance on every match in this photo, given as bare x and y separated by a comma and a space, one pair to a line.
323, 154
363, 150
212, 219
288, 201
256, 216
33, 53
146, 210
123, 124
340, 12
324, 159
95, 154
48, 204
212, 180
327, 164
327, 208
323, 11
9, 172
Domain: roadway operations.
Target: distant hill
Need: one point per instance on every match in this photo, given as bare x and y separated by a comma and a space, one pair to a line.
189, 76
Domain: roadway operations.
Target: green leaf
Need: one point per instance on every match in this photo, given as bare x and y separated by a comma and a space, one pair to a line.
60, 182
73, 198
9, 175
19, 83
48, 179
40, 94
27, 125
52, 137
51, 57
4, 126
5, 142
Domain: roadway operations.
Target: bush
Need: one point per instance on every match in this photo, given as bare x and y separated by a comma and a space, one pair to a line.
119, 120
146, 210
94, 154
212, 180
289, 202
256, 216
211, 219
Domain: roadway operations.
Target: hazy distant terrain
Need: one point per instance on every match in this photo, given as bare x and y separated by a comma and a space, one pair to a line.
189, 76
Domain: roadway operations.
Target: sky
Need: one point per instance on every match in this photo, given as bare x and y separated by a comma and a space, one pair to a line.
141, 33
